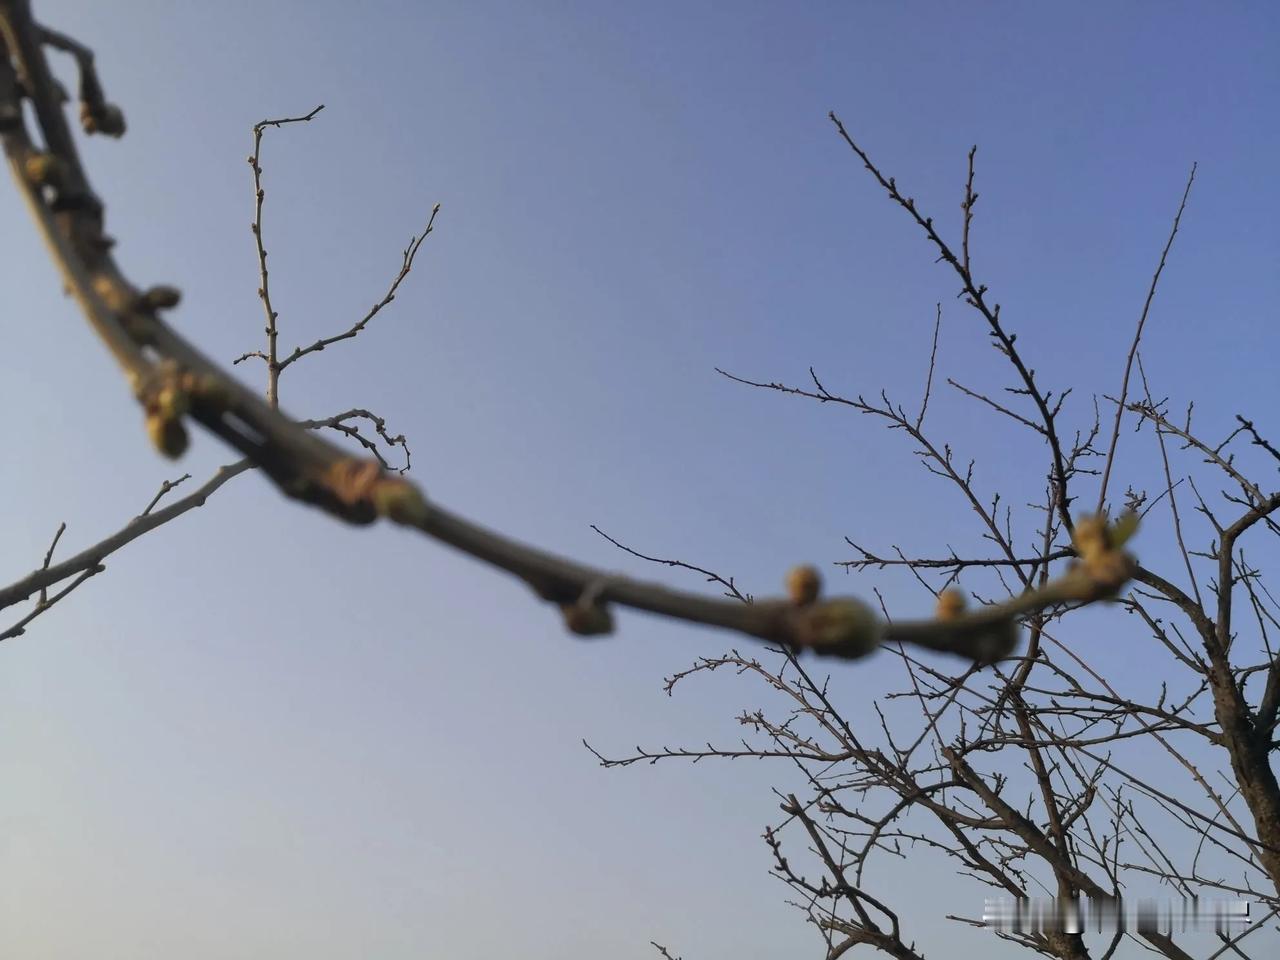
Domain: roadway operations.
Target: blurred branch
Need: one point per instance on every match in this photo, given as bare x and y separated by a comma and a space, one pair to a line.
175, 383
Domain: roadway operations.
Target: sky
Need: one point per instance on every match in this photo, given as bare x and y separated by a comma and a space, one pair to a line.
261, 733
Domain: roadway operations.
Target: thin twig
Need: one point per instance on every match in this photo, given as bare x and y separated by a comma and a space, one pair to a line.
406, 265
933, 357
48, 557
264, 288
1137, 336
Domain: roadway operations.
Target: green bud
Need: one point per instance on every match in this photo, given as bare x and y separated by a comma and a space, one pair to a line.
42, 168
1123, 529
400, 500
168, 435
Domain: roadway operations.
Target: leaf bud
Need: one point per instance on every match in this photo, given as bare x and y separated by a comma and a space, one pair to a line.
804, 583
950, 605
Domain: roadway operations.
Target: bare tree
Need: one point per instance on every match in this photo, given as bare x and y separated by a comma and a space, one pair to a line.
1013, 765
1024, 776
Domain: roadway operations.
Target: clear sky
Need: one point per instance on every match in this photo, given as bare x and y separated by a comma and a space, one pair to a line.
263, 734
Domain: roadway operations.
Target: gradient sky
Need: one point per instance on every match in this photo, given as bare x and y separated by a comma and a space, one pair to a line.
263, 734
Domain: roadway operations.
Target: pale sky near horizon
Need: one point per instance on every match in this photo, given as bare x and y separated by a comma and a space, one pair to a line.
260, 733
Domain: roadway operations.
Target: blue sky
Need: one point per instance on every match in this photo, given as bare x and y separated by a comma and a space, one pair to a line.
261, 733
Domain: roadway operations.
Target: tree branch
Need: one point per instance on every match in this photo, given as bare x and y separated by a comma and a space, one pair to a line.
174, 382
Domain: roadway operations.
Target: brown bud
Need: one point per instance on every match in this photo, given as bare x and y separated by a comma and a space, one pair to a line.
804, 583
1090, 537
1109, 569
587, 620
105, 118
352, 479
950, 605
161, 297
42, 168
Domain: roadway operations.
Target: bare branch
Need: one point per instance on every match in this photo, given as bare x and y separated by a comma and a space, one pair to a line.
1137, 337
174, 381
91, 558
730, 589
48, 557
933, 358
975, 296
1164, 453
264, 288
406, 265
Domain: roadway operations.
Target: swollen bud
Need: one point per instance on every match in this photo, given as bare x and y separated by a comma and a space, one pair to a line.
591, 620
400, 500
1120, 532
1090, 537
106, 118
843, 627
804, 583
1098, 547
42, 168
161, 297
167, 434
950, 605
